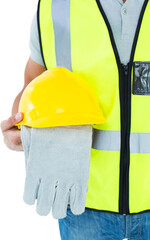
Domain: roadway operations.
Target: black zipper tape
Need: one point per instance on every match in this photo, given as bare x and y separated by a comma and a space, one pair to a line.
124, 153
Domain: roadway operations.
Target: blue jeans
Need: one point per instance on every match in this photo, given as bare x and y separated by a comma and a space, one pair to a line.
94, 225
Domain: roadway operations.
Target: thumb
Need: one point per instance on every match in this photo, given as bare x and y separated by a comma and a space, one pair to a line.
11, 121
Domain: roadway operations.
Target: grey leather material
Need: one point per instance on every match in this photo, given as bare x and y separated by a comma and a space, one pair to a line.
57, 168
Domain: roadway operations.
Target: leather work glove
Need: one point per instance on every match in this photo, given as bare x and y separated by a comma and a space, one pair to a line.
57, 168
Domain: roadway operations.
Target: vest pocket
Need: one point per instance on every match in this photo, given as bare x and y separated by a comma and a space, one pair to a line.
141, 78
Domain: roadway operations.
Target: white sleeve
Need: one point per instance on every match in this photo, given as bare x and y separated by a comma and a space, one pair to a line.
34, 44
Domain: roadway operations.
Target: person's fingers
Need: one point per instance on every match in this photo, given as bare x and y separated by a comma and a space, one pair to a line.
20, 147
17, 148
12, 139
11, 121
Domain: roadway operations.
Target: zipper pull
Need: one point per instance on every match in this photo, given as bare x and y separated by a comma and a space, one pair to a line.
126, 68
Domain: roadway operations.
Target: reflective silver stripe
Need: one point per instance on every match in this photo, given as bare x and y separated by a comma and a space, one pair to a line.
140, 142
61, 24
110, 141
106, 140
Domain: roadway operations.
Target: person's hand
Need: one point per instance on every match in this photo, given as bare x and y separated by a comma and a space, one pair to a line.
12, 136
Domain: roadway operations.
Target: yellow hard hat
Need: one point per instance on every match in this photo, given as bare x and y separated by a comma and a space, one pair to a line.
59, 97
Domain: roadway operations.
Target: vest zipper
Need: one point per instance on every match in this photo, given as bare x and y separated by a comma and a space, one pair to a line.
125, 102
125, 67
125, 107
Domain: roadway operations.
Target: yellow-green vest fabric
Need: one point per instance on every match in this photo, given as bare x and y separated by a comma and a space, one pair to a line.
76, 35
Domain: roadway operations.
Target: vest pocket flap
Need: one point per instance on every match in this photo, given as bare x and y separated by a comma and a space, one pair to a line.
141, 78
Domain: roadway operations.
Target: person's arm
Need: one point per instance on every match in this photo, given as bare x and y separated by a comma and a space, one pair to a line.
12, 136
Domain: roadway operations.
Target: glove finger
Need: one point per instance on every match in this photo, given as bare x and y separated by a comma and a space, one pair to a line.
59, 209
77, 200
31, 190
26, 140
45, 198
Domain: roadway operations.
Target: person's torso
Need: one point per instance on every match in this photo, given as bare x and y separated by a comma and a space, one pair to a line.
78, 36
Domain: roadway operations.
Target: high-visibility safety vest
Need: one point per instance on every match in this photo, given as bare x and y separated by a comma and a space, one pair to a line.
77, 35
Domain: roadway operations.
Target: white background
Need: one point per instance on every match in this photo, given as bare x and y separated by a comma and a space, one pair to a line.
17, 220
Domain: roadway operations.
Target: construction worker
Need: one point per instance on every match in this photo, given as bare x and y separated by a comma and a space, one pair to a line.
107, 43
